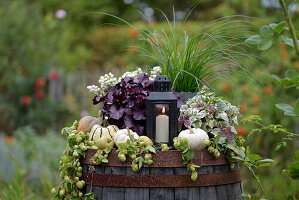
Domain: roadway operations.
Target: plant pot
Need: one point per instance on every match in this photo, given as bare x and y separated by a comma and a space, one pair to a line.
185, 96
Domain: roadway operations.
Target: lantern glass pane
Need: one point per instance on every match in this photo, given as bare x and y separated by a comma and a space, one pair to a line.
162, 122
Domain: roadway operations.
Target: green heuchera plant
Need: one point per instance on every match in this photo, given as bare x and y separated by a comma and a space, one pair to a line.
70, 167
212, 114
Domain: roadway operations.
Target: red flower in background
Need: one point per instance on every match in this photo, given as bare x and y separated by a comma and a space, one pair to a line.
268, 90
241, 131
10, 140
25, 100
243, 107
246, 89
282, 46
40, 82
132, 49
284, 55
133, 33
53, 75
121, 62
255, 98
226, 88
39, 94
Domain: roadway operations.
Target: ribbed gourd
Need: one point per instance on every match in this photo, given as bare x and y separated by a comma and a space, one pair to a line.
98, 131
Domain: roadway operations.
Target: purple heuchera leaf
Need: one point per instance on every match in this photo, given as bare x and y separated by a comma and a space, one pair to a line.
139, 114
96, 100
226, 131
143, 79
177, 95
128, 121
115, 112
188, 123
181, 120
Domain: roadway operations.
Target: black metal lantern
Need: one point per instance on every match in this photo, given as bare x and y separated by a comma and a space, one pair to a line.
162, 112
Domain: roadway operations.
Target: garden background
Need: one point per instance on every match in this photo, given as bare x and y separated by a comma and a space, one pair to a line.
50, 50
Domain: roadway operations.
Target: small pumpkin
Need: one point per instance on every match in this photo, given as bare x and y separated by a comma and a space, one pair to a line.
105, 142
195, 137
146, 140
87, 122
98, 131
123, 135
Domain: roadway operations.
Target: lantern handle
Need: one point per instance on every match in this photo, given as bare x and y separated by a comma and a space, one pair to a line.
196, 79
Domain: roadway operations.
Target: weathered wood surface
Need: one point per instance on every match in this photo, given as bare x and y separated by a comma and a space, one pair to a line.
220, 192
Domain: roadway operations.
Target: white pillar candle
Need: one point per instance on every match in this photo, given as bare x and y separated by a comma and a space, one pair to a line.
162, 127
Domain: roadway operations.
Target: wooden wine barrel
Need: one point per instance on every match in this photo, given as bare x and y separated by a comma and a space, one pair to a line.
165, 179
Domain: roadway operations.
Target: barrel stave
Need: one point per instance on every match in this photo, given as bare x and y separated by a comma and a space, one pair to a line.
162, 193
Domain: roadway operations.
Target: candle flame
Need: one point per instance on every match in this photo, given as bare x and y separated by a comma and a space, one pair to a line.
163, 110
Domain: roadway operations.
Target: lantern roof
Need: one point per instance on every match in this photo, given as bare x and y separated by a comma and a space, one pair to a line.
161, 96
162, 84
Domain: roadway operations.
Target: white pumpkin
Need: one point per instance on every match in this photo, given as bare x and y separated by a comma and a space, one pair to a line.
98, 132
123, 135
195, 137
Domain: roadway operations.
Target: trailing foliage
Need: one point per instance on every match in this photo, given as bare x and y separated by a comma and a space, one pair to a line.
139, 152
70, 167
274, 128
187, 156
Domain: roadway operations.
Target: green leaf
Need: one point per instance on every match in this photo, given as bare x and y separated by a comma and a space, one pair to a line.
266, 32
277, 28
288, 41
81, 152
265, 44
72, 142
221, 106
188, 156
284, 107
287, 83
265, 165
67, 130
108, 150
217, 138
288, 109
253, 40
236, 150
290, 114
150, 149
67, 159
266, 160
278, 147
297, 107
184, 146
104, 160
222, 116
89, 196
132, 137
238, 158
291, 74
140, 161
272, 77
254, 157
293, 170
